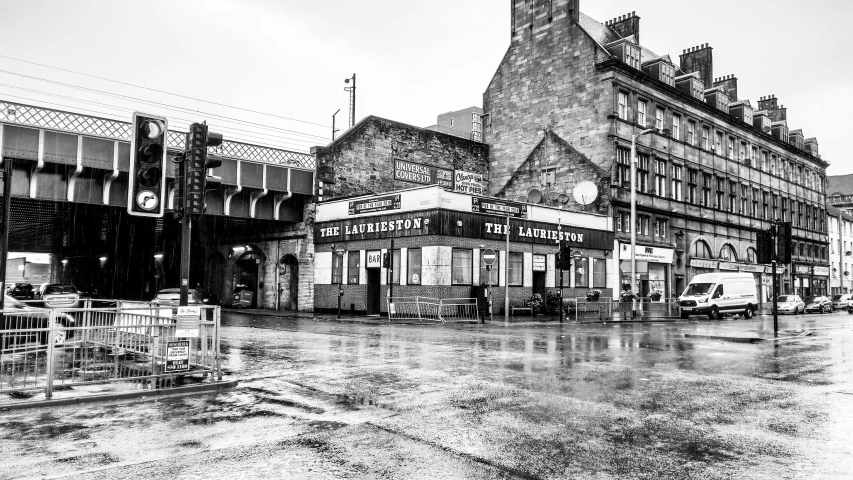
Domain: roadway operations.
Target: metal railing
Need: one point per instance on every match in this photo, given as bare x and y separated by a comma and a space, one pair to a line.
613, 309
427, 309
43, 349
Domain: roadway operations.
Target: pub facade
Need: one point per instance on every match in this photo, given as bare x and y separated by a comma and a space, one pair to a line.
436, 239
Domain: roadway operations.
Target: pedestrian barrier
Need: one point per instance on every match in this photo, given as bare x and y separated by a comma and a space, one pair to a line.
426, 309
44, 349
613, 309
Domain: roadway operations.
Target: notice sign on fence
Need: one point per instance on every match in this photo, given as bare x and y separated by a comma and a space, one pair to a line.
178, 356
188, 319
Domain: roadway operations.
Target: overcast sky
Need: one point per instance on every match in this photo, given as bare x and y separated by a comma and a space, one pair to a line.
414, 59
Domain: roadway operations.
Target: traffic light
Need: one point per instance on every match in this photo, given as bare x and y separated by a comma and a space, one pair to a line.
146, 188
764, 246
783, 243
386, 260
198, 161
564, 257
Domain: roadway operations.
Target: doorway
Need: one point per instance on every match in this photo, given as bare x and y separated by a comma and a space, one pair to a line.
289, 286
539, 284
247, 275
373, 275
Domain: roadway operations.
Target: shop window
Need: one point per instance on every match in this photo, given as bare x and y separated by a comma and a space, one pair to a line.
516, 269
581, 268
462, 266
599, 273
395, 264
413, 258
337, 268
494, 274
353, 267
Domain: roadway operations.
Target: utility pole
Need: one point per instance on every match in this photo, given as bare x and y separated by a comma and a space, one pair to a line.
634, 285
351, 91
7, 222
559, 262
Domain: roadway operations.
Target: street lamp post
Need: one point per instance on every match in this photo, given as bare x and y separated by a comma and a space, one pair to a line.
633, 225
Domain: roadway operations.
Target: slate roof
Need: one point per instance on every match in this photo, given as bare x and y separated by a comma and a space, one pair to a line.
603, 34
842, 184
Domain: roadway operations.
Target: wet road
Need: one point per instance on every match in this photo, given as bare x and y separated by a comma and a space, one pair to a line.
339, 400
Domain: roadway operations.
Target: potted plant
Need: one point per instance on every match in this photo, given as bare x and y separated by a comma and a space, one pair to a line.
552, 301
535, 303
655, 295
593, 295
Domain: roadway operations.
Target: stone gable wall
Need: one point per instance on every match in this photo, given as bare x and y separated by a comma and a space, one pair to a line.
548, 82
362, 161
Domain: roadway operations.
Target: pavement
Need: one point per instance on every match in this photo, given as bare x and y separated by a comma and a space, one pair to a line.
320, 398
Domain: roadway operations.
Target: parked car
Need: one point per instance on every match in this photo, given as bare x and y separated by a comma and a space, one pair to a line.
790, 304
21, 291
58, 295
841, 301
716, 294
19, 316
819, 304
170, 297
88, 291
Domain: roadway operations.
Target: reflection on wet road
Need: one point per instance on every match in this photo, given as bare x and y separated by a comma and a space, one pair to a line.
337, 400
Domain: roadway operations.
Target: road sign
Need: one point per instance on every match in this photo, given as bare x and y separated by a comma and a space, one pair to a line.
177, 356
577, 254
188, 319
489, 256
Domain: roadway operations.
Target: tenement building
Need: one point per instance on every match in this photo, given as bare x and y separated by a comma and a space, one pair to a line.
715, 167
840, 250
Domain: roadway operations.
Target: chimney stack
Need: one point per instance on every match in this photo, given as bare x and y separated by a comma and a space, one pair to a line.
699, 59
729, 85
626, 25
537, 15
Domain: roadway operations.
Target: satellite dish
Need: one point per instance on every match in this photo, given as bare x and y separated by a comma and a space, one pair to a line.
585, 192
563, 198
553, 196
534, 196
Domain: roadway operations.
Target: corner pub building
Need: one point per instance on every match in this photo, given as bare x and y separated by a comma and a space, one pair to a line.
439, 236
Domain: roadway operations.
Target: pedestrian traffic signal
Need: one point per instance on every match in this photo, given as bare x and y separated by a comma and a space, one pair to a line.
764, 246
147, 174
784, 244
198, 162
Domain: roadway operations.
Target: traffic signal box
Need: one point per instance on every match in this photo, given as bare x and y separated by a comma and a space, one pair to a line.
783, 242
147, 175
779, 237
198, 161
564, 256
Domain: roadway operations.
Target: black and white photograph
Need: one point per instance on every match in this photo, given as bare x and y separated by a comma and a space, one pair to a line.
385, 239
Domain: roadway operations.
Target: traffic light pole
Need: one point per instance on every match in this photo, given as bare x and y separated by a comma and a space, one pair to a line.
775, 295
7, 222
186, 235
560, 269
390, 275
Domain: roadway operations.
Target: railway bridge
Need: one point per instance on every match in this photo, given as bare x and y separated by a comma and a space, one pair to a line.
69, 200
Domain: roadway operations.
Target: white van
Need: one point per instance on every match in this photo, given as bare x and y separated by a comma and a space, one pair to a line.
716, 294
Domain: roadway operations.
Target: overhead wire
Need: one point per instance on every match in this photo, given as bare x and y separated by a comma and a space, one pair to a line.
264, 143
128, 109
163, 91
160, 104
